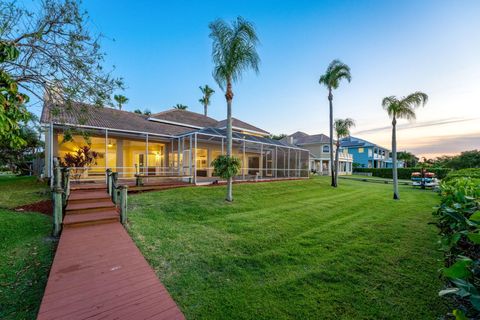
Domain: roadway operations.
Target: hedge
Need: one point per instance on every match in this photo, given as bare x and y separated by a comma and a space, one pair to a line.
473, 173
403, 173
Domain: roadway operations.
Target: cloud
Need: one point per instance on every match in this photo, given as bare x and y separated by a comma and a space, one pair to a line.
446, 145
413, 125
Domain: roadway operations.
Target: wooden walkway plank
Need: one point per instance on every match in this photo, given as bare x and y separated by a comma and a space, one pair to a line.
99, 273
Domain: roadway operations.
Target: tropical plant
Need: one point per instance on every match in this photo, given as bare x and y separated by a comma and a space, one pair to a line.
342, 130
121, 100
458, 221
226, 167
233, 52
408, 158
403, 108
81, 159
146, 112
205, 100
180, 106
336, 72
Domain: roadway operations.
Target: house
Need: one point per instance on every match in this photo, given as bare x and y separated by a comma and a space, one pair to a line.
318, 146
172, 143
367, 154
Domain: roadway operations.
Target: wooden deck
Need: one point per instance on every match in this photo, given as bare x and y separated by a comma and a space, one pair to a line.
98, 272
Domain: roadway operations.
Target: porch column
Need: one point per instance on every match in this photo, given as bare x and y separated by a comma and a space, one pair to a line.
223, 153
195, 161
288, 166
276, 160
146, 154
178, 156
260, 163
119, 156
190, 157
245, 165
106, 153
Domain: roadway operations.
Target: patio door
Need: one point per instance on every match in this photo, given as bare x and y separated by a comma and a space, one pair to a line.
253, 165
268, 163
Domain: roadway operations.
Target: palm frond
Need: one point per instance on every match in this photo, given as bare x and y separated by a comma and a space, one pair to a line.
336, 71
342, 127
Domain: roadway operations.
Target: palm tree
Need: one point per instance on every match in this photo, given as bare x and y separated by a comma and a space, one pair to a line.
233, 52
121, 100
336, 72
403, 108
205, 100
180, 106
342, 130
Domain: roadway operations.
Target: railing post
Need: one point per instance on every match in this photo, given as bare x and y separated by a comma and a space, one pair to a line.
114, 187
57, 200
65, 185
109, 181
123, 203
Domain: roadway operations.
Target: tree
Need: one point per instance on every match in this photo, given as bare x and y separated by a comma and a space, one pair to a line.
233, 52
146, 112
342, 130
403, 108
180, 106
409, 159
278, 136
336, 72
48, 53
205, 100
56, 49
121, 100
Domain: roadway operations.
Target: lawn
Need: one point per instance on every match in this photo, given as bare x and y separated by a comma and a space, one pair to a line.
296, 249
26, 251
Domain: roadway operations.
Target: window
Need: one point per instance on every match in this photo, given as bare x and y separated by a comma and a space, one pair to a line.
369, 152
360, 150
326, 148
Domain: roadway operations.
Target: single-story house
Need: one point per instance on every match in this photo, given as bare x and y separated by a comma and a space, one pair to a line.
318, 146
172, 143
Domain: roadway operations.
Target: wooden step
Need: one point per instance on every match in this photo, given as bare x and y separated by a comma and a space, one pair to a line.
88, 187
88, 207
86, 219
88, 196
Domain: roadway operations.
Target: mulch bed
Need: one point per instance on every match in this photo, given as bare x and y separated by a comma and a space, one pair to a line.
44, 207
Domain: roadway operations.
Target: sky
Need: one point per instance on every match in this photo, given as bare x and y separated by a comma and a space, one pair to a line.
162, 50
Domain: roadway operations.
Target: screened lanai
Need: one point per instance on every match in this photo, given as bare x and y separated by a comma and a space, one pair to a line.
185, 157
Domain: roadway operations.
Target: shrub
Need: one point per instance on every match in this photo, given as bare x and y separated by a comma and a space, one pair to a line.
458, 221
473, 173
226, 167
403, 173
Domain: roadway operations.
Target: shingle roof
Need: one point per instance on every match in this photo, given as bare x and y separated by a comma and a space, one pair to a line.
185, 116
240, 124
244, 136
301, 138
350, 142
103, 117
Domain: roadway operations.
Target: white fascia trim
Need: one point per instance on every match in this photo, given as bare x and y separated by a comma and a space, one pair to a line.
111, 129
247, 130
175, 123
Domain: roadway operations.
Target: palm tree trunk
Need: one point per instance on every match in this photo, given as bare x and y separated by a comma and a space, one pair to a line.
394, 159
337, 162
229, 97
332, 166
205, 109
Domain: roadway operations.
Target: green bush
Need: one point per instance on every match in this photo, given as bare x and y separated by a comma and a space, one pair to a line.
458, 221
473, 173
226, 167
403, 173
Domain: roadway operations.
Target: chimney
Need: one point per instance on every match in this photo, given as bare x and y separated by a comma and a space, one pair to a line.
53, 93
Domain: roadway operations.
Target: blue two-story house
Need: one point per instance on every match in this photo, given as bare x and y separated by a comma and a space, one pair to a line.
367, 154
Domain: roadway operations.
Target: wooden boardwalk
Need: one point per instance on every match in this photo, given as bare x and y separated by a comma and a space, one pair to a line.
99, 273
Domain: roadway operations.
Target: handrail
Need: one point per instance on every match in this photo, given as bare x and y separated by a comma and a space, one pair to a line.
117, 191
58, 199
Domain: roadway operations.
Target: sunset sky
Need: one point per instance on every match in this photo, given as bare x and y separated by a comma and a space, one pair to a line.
163, 52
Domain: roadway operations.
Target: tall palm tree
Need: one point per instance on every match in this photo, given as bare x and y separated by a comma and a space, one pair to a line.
336, 72
342, 130
403, 108
233, 52
205, 100
121, 100
180, 106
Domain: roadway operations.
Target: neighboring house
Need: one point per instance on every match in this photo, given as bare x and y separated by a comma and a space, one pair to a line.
319, 159
173, 143
367, 154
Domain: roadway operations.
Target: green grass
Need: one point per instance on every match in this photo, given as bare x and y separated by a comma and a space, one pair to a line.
16, 191
296, 249
26, 252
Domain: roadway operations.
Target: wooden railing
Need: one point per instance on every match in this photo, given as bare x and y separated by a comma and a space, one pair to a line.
118, 193
60, 194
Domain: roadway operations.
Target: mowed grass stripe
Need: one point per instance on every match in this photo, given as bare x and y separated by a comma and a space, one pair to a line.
296, 249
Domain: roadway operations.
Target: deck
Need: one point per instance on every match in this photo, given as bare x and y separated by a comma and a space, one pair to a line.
98, 272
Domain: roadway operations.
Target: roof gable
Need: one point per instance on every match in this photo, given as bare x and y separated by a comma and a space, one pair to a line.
178, 116
239, 124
